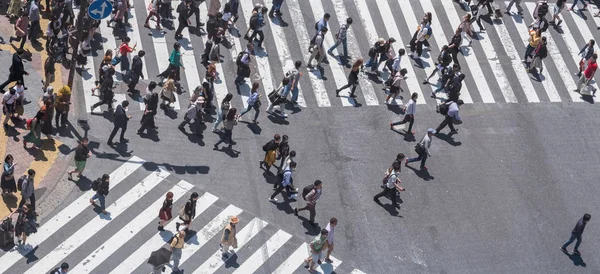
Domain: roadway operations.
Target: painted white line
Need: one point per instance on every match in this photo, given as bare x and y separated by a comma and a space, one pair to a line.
293, 261
135, 39
304, 41
82, 203
593, 10
69, 245
439, 36
264, 252
162, 53
120, 238
517, 64
471, 61
327, 268
142, 254
88, 77
107, 33
189, 61
356, 271
243, 237
283, 51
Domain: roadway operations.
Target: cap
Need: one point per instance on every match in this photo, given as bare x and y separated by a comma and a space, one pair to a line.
234, 220
431, 130
381, 40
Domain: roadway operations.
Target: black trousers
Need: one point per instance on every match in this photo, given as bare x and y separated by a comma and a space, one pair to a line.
12, 78
260, 40
388, 192
196, 11
114, 132
182, 25
280, 189
447, 122
31, 200
407, 118
311, 210
62, 116
133, 82
455, 55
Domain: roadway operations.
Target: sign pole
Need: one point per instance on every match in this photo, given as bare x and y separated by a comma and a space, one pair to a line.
83, 10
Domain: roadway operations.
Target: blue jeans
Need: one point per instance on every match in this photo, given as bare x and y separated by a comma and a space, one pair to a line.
372, 63
344, 43
124, 63
575, 3
256, 111
225, 137
219, 118
100, 198
422, 157
286, 91
573, 236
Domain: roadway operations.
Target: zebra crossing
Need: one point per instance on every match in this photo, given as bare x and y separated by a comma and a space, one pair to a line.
121, 241
493, 64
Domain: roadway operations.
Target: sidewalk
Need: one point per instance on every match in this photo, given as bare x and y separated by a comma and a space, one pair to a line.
51, 162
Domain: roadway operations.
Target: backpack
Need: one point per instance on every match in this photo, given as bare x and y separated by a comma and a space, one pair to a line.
266, 146
181, 7
307, 189
238, 59
545, 24
429, 32
317, 25
20, 182
543, 10
254, 21
54, 271
443, 109
28, 123
96, 184
172, 238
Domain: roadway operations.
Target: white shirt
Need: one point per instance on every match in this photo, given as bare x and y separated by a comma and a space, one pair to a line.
8, 98
20, 92
411, 107
226, 16
330, 235
426, 143
392, 180
396, 65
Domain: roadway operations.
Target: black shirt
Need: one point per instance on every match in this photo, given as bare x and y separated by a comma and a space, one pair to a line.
456, 41
81, 153
579, 227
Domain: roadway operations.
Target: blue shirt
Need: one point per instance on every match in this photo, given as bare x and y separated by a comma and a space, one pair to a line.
252, 99
287, 177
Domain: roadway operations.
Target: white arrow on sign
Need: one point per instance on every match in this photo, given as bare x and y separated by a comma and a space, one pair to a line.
100, 12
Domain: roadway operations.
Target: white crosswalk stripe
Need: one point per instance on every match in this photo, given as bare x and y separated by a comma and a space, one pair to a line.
89, 241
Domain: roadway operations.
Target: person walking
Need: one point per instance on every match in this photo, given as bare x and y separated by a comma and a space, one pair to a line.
25, 225
576, 234
228, 123
455, 44
517, 3
392, 184
465, 27
330, 237
318, 51
386, 55
151, 107
222, 111
341, 38
286, 182
195, 8
443, 60
534, 39
176, 247
188, 212
48, 109
167, 93
34, 22
451, 115
153, 11
294, 77
16, 70
374, 53
120, 122
8, 184
394, 89
352, 79
35, 131
540, 52
62, 106
257, 21
311, 200
63, 269
319, 26
422, 149
184, 14
120, 13
396, 64
575, 4
9, 105
243, 65
102, 186
136, 71
270, 149
124, 50
228, 237
253, 103
276, 8
588, 74
165, 213
409, 114
82, 153
106, 91
283, 150
21, 29
586, 53
557, 8
27, 189
279, 99
20, 102
421, 35
316, 250
174, 64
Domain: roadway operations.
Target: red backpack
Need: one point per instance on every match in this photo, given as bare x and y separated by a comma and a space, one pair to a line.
28, 123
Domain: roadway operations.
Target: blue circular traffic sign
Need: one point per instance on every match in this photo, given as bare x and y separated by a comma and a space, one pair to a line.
100, 9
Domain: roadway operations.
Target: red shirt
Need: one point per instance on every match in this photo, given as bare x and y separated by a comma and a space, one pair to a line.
591, 69
124, 48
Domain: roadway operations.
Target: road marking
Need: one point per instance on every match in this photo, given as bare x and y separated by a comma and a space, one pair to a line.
107, 33
327, 268
471, 61
142, 254
48, 229
264, 252
304, 41
120, 238
356, 271
135, 33
293, 261
243, 237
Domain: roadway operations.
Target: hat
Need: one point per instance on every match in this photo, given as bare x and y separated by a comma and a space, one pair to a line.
234, 220
431, 130
381, 41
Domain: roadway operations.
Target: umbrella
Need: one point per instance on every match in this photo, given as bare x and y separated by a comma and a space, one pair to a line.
160, 257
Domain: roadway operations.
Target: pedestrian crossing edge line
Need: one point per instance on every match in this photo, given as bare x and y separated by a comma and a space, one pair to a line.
264, 252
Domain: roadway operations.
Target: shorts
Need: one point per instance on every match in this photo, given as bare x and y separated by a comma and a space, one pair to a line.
316, 257
10, 109
79, 166
557, 10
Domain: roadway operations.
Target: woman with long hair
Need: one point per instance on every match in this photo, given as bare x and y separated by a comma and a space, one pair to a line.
223, 110
352, 78
8, 185
253, 102
165, 213
230, 121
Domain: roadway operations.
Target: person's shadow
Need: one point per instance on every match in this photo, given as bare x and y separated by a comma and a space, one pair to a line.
576, 258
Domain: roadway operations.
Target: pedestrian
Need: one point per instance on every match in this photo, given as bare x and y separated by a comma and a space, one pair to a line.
63, 269
167, 93
270, 149
319, 26
316, 249
184, 14
341, 38
25, 225
257, 21
176, 246
9, 185
213, 7
534, 40
454, 87
517, 3
253, 102
49, 70
575, 4
120, 11
421, 35
352, 78
586, 53
588, 74
396, 64
16, 70
449, 73
136, 71
15, 9
557, 8
288, 160
243, 65
235, 4
187, 212
455, 44
283, 150
34, 22
52, 31
19, 106
374, 53
386, 56
392, 184
208, 85
35, 131
48, 109
9, 104
82, 153
21, 29
222, 111
228, 238
276, 8
27, 185
443, 60
165, 213
286, 181
576, 234
62, 104
106, 91
311, 194
465, 27
147, 121
279, 99
174, 63
539, 54
195, 113
124, 50
422, 149
395, 87
105, 64
153, 10
330, 237
195, 7
102, 186
120, 122
409, 114
451, 116
294, 77
228, 123
318, 51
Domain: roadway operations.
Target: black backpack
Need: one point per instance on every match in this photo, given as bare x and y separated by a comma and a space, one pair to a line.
96, 184
238, 59
20, 182
254, 21
267, 146
181, 7
545, 24
443, 109
307, 189
317, 25
54, 271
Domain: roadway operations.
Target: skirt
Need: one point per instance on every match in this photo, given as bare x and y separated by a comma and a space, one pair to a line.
8, 186
537, 62
168, 214
270, 157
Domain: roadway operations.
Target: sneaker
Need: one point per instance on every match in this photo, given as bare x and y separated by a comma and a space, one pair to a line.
454, 131
391, 126
576, 252
177, 226
564, 250
296, 211
406, 162
160, 228
283, 115
272, 199
328, 260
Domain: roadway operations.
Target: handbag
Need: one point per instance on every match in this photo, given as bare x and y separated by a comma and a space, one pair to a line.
273, 96
115, 60
182, 214
419, 149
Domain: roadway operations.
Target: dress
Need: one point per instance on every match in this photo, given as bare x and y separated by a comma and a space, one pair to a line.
34, 134
8, 180
47, 120
165, 212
